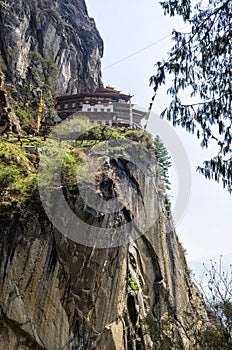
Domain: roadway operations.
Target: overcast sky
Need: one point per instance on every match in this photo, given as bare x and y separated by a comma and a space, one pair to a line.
136, 35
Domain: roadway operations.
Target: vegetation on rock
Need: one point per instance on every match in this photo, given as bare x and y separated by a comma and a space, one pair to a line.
18, 177
164, 161
158, 321
18, 168
134, 286
41, 76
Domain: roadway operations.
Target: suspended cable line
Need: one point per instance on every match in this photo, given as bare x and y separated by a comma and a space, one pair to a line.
139, 51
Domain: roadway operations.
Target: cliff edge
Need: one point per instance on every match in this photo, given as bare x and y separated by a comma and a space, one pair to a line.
59, 294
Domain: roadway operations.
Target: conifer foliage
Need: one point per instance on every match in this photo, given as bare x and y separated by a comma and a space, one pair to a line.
200, 65
164, 161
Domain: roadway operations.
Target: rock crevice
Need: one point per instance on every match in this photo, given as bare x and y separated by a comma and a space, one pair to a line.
63, 295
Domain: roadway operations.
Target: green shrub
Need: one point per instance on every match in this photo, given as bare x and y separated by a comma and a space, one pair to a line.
8, 176
134, 286
18, 178
70, 167
24, 115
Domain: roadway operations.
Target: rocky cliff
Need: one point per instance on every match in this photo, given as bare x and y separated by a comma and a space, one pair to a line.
57, 294
8, 120
59, 30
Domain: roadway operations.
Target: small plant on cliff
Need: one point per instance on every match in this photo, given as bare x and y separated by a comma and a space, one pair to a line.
133, 284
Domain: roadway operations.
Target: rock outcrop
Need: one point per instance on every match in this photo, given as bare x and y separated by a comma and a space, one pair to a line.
56, 294
8, 120
59, 30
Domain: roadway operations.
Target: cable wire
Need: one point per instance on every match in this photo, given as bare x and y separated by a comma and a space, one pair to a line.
139, 51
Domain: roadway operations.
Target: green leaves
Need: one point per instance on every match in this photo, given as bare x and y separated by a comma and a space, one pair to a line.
134, 286
200, 65
164, 161
18, 179
218, 169
179, 7
42, 71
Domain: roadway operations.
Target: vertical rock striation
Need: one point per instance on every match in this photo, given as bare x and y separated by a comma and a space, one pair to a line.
60, 30
8, 120
57, 294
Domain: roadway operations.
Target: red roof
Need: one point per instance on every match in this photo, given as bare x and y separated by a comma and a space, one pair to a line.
99, 92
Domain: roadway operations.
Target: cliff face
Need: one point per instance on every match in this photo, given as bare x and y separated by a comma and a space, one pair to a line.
60, 30
57, 294
8, 120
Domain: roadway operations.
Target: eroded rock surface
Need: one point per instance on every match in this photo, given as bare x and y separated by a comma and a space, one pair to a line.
8, 119
60, 30
57, 294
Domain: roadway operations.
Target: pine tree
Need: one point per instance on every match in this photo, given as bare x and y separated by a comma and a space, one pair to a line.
164, 161
200, 64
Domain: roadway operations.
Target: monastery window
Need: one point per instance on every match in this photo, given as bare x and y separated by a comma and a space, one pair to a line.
73, 104
66, 105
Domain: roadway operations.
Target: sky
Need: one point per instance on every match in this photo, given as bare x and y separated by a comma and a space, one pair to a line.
136, 35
